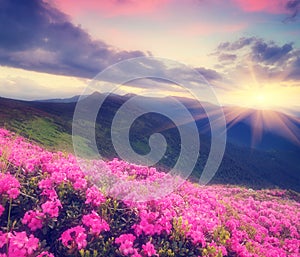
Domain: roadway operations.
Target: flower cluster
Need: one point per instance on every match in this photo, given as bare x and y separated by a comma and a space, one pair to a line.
149, 249
74, 237
51, 208
95, 223
152, 223
33, 219
9, 186
18, 244
126, 242
94, 196
48, 202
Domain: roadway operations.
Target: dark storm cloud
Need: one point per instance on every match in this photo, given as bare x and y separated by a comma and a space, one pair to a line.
36, 36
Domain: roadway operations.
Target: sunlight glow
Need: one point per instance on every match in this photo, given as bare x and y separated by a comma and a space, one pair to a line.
269, 97
23, 84
261, 99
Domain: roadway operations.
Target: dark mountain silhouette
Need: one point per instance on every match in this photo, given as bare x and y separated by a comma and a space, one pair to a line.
73, 99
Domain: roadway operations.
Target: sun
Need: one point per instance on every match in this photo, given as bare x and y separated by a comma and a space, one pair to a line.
260, 98
260, 101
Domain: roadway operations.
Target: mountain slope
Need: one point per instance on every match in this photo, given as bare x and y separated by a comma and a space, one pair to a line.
50, 124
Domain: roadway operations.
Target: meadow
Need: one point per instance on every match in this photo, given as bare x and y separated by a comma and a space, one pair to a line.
51, 206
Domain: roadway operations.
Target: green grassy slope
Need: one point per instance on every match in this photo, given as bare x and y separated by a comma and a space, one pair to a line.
48, 130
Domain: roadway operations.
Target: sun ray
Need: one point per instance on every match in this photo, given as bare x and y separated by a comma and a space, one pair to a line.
262, 121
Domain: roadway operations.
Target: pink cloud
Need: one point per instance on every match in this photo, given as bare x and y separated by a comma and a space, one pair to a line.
111, 7
270, 6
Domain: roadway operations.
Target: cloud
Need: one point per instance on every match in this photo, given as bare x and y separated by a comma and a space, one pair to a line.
271, 53
236, 45
293, 6
227, 57
294, 73
36, 36
112, 8
258, 50
270, 6
267, 58
288, 7
209, 74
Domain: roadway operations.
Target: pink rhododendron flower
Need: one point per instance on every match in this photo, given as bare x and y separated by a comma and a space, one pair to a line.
58, 177
126, 244
30, 165
94, 196
51, 208
3, 239
80, 183
74, 237
46, 183
33, 219
50, 194
95, 223
9, 186
20, 245
149, 249
152, 223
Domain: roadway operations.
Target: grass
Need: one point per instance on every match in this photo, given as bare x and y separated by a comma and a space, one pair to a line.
43, 131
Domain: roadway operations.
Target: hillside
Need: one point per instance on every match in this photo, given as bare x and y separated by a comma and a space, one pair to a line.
50, 124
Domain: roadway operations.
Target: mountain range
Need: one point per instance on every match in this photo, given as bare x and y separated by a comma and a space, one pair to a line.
262, 149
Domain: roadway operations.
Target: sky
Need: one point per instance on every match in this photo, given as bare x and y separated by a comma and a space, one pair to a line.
248, 50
